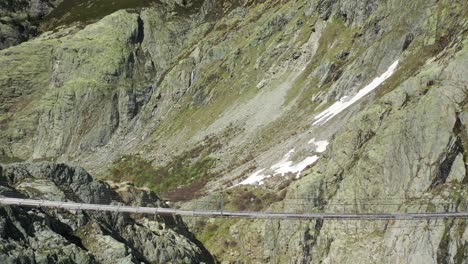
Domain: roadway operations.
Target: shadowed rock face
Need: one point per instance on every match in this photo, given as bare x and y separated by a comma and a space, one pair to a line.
20, 19
45, 236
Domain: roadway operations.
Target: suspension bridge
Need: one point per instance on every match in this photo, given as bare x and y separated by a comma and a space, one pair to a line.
223, 213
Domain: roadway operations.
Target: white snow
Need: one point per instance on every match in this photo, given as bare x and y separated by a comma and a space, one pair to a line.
283, 167
298, 168
287, 166
284, 160
254, 178
344, 102
321, 145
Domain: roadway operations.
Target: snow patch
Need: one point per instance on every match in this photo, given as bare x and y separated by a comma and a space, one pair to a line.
298, 168
286, 166
344, 102
320, 146
254, 178
283, 167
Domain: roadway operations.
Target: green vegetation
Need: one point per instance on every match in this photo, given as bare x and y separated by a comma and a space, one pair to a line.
87, 234
8, 160
409, 67
216, 234
249, 198
89, 11
209, 229
182, 171
71, 11
337, 46
180, 179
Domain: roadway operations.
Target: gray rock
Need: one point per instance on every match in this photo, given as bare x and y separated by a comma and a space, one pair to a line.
458, 171
166, 81
401, 153
47, 235
20, 19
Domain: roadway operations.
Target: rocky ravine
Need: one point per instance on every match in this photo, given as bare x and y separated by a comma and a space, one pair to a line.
39, 235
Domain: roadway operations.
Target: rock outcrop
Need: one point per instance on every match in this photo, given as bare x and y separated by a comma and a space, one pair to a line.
20, 19
41, 235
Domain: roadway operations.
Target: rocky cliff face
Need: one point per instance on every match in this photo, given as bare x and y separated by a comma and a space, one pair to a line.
404, 153
326, 102
114, 66
42, 235
200, 79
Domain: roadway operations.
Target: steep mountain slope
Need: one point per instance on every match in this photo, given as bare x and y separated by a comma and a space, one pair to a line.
61, 236
323, 102
240, 81
404, 153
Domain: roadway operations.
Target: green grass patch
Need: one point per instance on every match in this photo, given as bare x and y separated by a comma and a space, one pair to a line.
9, 160
180, 179
71, 11
411, 65
215, 235
249, 198
181, 171
88, 11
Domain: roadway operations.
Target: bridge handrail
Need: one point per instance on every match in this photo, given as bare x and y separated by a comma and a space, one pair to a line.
224, 213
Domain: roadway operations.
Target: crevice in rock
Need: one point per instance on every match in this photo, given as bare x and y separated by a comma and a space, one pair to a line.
313, 238
109, 230
10, 230
63, 230
443, 255
408, 40
462, 248
139, 34
115, 115
324, 9
461, 131
447, 159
